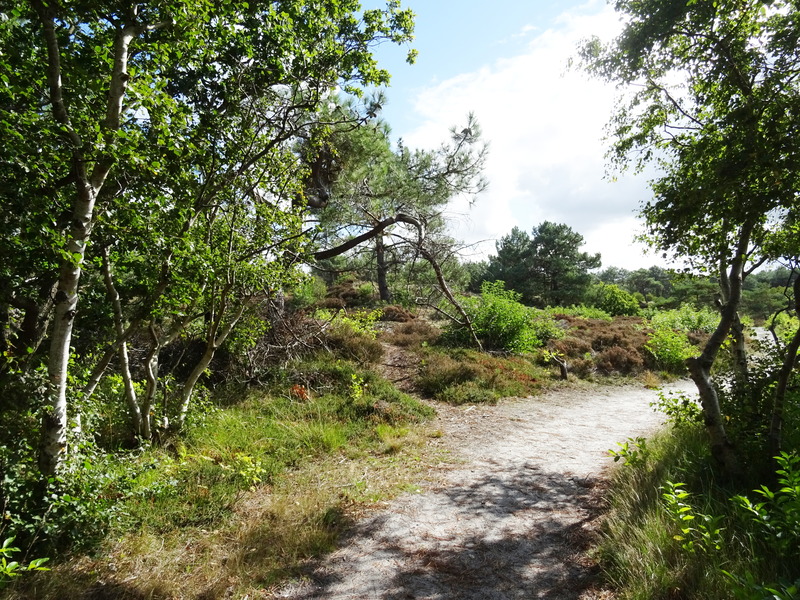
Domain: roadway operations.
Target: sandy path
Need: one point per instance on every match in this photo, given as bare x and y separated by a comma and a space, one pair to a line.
506, 517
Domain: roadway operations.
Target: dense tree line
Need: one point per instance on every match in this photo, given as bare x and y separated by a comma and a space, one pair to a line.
546, 268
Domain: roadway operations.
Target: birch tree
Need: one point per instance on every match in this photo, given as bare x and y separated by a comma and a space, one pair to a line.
196, 98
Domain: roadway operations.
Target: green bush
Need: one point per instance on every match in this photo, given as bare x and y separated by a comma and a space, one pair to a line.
670, 349
687, 318
352, 335
613, 300
501, 322
664, 539
776, 515
785, 326
469, 392
11, 568
309, 291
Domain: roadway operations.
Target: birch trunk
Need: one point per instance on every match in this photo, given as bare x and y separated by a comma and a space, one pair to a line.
134, 412
87, 186
214, 340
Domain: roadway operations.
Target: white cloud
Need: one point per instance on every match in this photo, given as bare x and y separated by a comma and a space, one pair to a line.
545, 125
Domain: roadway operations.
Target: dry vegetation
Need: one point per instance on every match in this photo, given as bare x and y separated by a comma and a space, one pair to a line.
272, 531
267, 530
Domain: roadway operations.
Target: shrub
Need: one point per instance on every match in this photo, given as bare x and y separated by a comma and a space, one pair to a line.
579, 310
351, 293
686, 318
501, 322
355, 346
468, 392
785, 326
308, 292
670, 349
619, 360
412, 334
11, 569
613, 300
393, 312
572, 346
353, 335
439, 371
681, 410
776, 515
471, 376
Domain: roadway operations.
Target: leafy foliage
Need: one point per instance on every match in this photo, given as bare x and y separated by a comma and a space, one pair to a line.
155, 162
711, 92
680, 409
11, 569
687, 319
501, 322
545, 268
664, 538
613, 300
633, 451
777, 517
670, 349
697, 532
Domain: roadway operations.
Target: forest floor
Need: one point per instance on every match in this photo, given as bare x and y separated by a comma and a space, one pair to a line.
511, 511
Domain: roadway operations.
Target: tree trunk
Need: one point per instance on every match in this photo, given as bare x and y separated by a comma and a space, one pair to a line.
54, 427
5, 318
775, 434
134, 412
427, 255
380, 259
215, 338
721, 447
700, 367
54, 433
151, 385
737, 329
739, 350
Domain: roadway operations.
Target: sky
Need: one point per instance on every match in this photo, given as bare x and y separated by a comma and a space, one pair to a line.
506, 61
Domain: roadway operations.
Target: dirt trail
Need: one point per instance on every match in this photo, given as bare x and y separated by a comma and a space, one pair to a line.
507, 516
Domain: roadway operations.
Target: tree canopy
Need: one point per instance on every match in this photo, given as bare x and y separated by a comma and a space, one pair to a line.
547, 267
390, 197
714, 100
151, 147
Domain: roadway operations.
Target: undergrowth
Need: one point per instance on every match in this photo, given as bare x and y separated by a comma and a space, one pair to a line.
675, 531
460, 376
177, 508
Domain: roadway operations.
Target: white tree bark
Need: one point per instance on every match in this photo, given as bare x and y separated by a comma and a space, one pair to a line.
54, 431
134, 412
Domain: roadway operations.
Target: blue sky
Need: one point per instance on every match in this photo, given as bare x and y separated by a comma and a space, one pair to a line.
506, 61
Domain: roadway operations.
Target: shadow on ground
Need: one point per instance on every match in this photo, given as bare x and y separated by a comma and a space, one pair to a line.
520, 534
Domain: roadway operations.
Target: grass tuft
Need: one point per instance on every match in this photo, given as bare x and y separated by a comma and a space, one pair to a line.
673, 530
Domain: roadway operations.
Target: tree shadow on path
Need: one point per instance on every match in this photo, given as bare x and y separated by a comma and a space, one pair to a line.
504, 536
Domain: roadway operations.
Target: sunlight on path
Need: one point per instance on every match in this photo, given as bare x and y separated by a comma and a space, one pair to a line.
509, 517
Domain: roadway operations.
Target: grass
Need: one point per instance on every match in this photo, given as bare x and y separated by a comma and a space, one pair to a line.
267, 481
252, 492
651, 552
